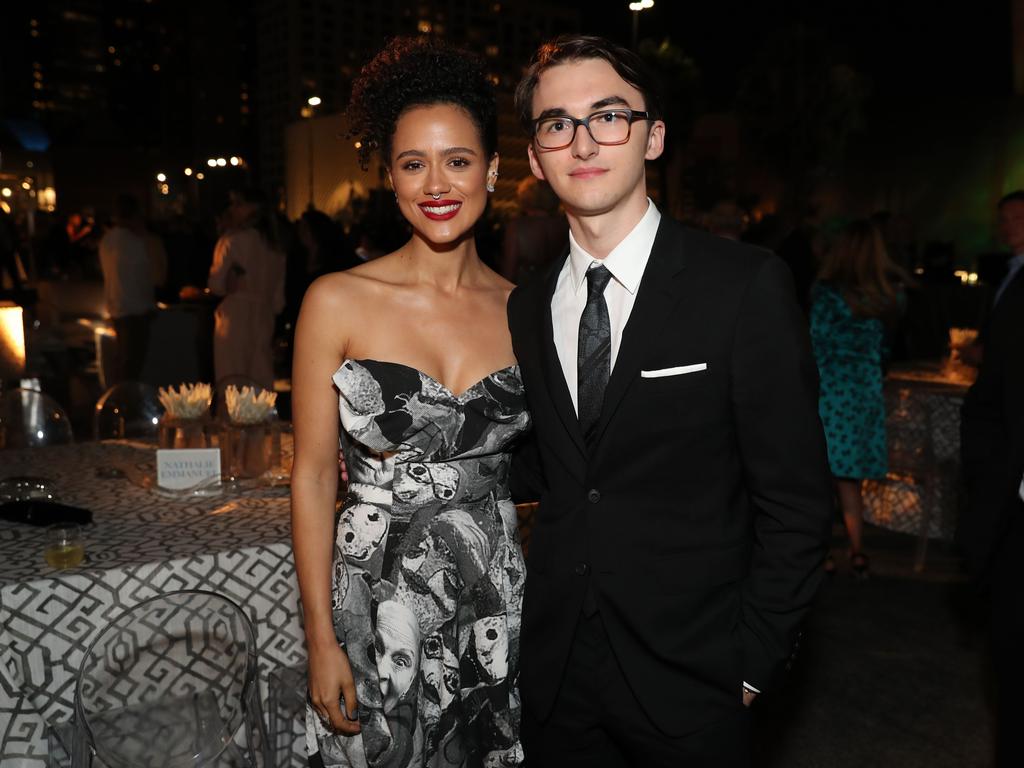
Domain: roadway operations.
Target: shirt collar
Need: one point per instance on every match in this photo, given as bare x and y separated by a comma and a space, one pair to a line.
626, 261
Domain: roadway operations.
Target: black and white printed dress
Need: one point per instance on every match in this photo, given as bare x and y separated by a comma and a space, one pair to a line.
428, 573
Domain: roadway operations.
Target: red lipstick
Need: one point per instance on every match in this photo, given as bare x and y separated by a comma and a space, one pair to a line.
440, 210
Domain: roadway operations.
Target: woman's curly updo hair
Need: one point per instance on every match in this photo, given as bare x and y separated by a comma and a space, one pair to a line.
418, 71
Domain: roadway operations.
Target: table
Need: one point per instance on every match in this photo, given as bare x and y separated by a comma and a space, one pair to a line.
140, 544
922, 491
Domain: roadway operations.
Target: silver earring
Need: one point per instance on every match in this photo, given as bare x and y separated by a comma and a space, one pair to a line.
491, 180
437, 196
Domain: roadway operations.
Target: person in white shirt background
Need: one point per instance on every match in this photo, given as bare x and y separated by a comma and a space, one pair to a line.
133, 264
248, 270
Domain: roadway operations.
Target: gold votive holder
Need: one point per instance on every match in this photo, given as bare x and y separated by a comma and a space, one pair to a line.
184, 433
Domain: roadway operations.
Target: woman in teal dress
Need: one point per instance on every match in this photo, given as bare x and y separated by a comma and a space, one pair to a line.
857, 296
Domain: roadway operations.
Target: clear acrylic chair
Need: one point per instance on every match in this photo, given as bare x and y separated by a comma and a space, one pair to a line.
30, 419
286, 709
130, 409
171, 683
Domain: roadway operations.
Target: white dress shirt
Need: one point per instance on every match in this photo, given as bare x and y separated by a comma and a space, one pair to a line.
627, 262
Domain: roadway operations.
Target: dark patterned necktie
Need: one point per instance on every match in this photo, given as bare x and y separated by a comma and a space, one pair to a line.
593, 361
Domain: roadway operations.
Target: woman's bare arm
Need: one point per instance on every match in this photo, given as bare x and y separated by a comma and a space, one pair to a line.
320, 344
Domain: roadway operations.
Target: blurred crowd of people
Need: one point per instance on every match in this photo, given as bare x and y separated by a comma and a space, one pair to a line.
250, 260
252, 256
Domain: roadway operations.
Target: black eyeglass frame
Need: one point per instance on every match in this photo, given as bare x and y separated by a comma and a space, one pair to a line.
634, 116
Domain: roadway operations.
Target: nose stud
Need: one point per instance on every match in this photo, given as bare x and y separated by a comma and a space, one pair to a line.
437, 196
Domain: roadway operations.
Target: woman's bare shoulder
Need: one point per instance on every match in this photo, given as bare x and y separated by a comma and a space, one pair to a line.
356, 285
379, 273
331, 311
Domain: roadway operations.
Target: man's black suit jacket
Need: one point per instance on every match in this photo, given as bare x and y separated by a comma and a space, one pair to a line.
992, 435
701, 509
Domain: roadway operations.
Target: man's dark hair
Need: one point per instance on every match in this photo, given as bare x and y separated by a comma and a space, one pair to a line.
126, 208
567, 49
1017, 196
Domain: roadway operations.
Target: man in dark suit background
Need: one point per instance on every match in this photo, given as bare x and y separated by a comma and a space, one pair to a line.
685, 492
1010, 224
991, 532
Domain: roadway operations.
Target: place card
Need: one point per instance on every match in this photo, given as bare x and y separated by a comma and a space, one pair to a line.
182, 468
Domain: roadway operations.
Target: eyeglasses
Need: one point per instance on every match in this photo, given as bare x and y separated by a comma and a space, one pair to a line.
607, 127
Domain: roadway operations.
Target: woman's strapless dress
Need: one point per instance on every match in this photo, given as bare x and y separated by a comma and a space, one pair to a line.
428, 573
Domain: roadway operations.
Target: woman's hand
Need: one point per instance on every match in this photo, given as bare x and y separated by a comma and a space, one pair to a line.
330, 680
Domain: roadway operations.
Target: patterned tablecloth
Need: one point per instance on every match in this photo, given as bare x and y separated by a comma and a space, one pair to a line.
140, 544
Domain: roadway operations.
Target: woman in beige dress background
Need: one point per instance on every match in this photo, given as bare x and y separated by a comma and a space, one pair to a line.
248, 271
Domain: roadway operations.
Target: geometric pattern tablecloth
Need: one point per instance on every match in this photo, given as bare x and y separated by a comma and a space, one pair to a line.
140, 544
921, 494
898, 503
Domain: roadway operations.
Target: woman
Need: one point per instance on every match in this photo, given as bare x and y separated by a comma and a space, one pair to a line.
248, 271
858, 294
417, 346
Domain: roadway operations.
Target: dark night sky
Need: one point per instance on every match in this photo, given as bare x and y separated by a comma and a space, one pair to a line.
910, 49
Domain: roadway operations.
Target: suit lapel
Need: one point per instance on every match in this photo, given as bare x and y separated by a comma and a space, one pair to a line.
557, 388
659, 292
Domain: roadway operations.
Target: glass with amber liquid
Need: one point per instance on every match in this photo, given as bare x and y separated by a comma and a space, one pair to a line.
64, 546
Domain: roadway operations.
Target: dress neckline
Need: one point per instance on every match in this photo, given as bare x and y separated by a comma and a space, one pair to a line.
470, 388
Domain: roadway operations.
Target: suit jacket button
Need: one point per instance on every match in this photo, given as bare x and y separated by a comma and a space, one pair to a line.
581, 569
593, 495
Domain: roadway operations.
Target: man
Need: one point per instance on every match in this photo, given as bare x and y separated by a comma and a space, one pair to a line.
129, 277
992, 443
1011, 232
685, 491
1010, 210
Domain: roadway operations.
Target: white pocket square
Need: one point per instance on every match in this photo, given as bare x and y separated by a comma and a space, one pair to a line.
679, 370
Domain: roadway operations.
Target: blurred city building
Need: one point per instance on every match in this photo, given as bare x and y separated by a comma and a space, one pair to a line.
179, 102
129, 91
